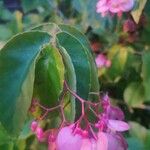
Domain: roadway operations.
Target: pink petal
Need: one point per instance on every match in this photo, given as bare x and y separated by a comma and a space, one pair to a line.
102, 6
114, 6
117, 125
88, 144
102, 9
114, 113
114, 143
127, 5
66, 140
102, 142
101, 3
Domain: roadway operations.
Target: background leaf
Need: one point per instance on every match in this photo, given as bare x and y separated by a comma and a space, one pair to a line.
136, 13
134, 94
146, 74
118, 56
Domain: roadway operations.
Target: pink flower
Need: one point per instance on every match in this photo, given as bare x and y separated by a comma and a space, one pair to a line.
102, 61
67, 140
114, 6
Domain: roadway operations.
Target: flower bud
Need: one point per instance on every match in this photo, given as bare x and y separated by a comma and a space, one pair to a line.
33, 126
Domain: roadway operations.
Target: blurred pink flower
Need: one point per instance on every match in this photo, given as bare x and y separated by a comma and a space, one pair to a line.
67, 140
102, 61
102, 7
114, 6
126, 5
34, 126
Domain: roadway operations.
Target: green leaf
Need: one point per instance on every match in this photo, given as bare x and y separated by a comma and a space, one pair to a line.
85, 43
17, 77
146, 74
76, 33
49, 76
136, 13
70, 77
134, 94
5, 138
80, 60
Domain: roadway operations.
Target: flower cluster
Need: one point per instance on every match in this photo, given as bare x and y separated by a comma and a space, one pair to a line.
105, 133
114, 6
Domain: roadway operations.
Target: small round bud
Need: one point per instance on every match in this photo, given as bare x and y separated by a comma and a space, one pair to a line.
34, 126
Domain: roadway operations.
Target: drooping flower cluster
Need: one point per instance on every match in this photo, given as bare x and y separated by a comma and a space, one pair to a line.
102, 61
114, 6
105, 133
